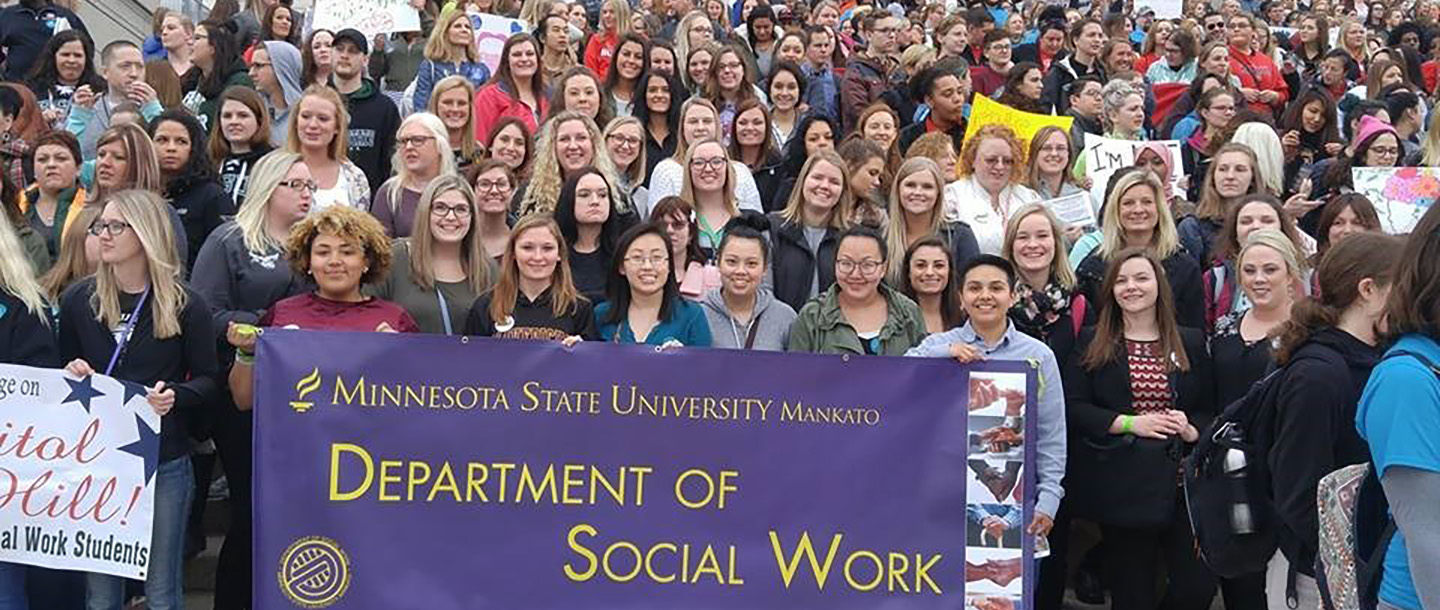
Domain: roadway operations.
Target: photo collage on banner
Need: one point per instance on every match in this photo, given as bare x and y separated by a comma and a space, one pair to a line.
996, 500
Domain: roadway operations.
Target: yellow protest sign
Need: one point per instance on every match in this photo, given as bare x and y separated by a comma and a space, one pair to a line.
985, 111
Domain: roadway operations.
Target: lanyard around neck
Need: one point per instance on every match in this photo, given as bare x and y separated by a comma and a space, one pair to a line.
129, 330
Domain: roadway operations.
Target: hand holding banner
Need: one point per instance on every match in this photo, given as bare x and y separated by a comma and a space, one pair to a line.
77, 463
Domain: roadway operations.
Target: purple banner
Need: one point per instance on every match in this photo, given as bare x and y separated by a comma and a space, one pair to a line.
451, 473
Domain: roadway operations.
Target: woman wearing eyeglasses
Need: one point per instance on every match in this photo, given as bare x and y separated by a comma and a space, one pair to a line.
991, 185
135, 321
1178, 64
494, 186
241, 272
860, 314
422, 152
441, 269
1375, 145
624, 140
644, 303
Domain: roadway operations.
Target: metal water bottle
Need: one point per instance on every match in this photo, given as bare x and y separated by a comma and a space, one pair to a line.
1236, 468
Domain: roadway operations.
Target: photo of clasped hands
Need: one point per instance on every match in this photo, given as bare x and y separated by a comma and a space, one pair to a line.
984, 392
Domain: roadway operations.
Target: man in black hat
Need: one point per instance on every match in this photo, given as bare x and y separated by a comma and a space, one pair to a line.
374, 119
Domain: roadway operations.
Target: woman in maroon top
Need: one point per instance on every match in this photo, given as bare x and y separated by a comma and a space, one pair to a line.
1138, 390
340, 249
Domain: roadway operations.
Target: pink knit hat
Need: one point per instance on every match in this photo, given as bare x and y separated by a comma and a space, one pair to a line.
1368, 128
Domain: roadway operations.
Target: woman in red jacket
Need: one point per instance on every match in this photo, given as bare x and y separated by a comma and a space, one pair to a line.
516, 90
614, 23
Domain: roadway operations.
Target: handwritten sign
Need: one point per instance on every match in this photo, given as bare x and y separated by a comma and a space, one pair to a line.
1401, 194
369, 16
491, 32
1103, 156
77, 472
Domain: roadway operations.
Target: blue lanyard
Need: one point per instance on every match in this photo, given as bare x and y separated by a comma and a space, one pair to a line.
129, 329
444, 310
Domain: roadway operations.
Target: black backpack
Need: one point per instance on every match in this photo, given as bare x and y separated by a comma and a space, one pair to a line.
1227, 478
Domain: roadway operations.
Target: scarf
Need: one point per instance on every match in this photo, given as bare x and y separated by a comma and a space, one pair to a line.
1036, 310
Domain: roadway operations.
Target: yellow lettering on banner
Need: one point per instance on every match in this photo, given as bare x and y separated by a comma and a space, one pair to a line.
628, 547
850, 574
336, 449
415, 479
894, 569
526, 480
385, 478
569, 482
445, 481
476, 485
624, 561
807, 551
573, 540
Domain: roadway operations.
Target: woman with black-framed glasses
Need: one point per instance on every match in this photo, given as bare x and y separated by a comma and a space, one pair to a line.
860, 314
494, 186
441, 269
644, 303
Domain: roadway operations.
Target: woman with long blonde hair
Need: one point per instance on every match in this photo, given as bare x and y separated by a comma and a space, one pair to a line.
442, 267
534, 296
1047, 304
917, 210
135, 321
614, 23
805, 232
1135, 216
26, 321
451, 100
450, 51
79, 255
581, 141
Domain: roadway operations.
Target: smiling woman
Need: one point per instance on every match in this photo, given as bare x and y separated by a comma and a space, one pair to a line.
644, 303
860, 314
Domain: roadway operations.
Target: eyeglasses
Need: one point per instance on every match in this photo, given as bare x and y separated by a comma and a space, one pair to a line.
621, 140
998, 161
867, 267
641, 261
1385, 151
113, 227
416, 141
440, 210
483, 186
714, 163
1214, 26
300, 184
1055, 148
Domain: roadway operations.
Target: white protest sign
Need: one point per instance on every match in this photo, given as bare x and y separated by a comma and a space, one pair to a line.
1401, 194
491, 32
1104, 156
1073, 210
77, 472
1167, 9
369, 16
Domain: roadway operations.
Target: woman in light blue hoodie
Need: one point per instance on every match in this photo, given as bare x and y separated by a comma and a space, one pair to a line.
275, 67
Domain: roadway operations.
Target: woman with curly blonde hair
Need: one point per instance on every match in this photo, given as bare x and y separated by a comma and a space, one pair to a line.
569, 142
991, 185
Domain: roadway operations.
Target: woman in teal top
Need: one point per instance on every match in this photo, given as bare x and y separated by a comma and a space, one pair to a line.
644, 304
1399, 416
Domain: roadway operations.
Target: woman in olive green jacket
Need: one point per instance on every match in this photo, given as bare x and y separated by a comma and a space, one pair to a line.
859, 314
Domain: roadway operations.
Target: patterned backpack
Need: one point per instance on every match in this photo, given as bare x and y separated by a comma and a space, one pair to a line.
1355, 530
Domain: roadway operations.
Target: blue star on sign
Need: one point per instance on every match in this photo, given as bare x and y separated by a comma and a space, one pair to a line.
132, 390
147, 447
81, 391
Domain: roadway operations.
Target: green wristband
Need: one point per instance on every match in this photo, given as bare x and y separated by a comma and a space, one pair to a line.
244, 358
1125, 422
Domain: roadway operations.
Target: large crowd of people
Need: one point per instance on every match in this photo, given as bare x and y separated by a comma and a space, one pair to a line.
744, 175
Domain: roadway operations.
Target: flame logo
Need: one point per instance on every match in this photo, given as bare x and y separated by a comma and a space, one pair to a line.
303, 388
